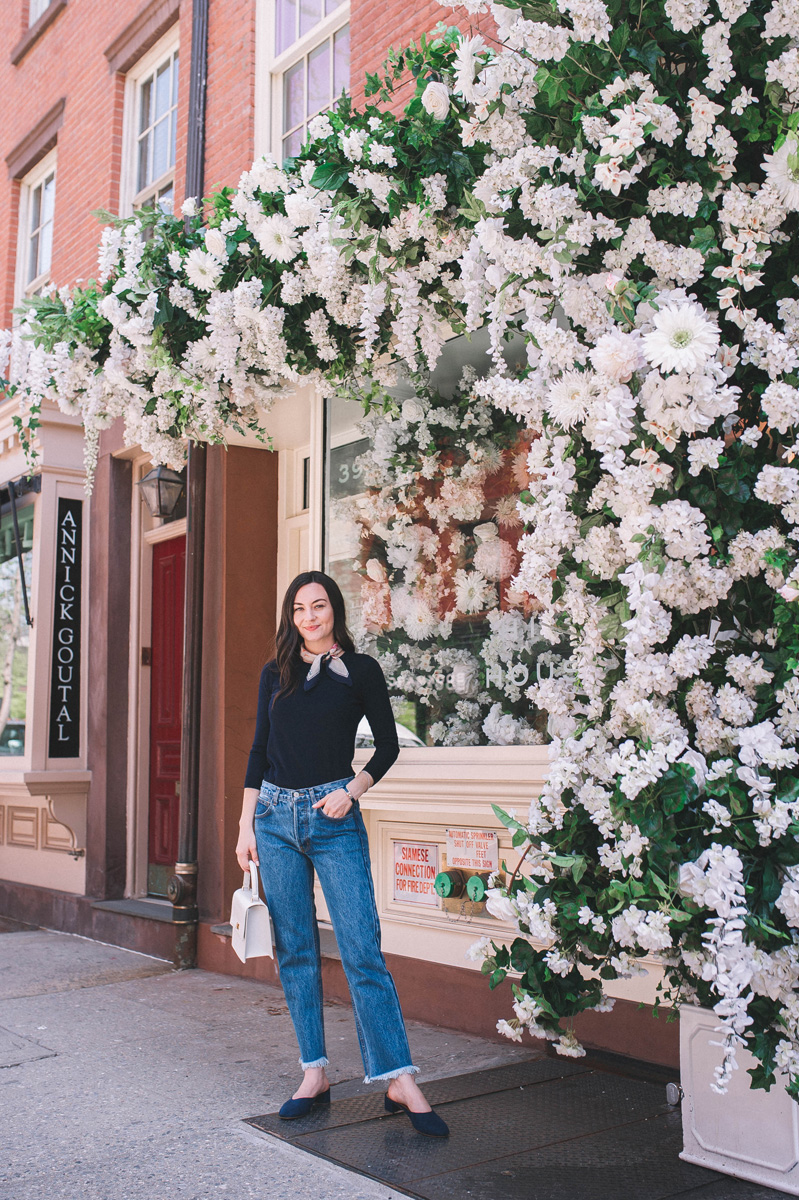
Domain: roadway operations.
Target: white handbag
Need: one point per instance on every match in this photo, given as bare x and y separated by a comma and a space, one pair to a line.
249, 919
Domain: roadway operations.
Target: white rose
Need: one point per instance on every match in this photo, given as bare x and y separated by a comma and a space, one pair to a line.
376, 571
412, 411
435, 100
215, 244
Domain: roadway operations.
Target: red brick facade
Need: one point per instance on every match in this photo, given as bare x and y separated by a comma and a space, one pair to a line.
71, 59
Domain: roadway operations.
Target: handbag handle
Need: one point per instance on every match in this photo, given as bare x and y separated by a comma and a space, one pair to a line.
253, 878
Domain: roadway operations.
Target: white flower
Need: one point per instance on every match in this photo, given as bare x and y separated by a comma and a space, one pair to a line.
683, 338
617, 355
435, 100
276, 237
782, 169
319, 127
203, 270
190, 207
509, 1031
215, 244
473, 592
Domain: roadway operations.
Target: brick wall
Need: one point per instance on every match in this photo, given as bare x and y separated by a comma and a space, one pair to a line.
378, 24
69, 60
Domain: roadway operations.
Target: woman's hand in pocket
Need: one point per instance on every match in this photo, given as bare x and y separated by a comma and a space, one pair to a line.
246, 848
335, 804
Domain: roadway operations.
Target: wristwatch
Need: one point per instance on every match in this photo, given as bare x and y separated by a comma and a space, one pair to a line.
349, 793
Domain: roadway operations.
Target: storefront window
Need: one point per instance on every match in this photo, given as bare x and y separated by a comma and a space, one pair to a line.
14, 631
421, 533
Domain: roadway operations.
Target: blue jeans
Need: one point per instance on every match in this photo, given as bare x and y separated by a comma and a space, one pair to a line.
293, 839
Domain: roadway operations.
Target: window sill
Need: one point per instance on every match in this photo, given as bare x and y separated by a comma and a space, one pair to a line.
32, 35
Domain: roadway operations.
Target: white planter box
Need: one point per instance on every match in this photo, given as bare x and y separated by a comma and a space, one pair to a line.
749, 1134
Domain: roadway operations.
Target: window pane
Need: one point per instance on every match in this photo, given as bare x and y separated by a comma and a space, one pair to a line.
143, 175
45, 248
162, 91
331, 6
173, 141
175, 79
14, 633
161, 141
33, 258
166, 197
293, 143
286, 31
318, 78
341, 61
310, 14
423, 594
144, 105
36, 208
49, 199
293, 98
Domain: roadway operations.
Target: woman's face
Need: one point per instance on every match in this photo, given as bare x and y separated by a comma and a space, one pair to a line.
313, 616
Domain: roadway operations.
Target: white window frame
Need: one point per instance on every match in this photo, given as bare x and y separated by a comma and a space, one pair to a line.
35, 177
270, 129
129, 196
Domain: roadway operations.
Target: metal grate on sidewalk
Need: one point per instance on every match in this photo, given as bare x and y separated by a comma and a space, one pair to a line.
546, 1129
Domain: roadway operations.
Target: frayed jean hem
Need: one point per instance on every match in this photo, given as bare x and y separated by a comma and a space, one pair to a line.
317, 1062
392, 1074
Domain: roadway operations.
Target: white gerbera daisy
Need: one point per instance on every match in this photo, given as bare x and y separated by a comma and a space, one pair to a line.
419, 621
203, 270
782, 168
568, 399
683, 338
473, 592
276, 237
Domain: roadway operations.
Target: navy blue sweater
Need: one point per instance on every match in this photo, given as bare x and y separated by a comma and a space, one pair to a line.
305, 738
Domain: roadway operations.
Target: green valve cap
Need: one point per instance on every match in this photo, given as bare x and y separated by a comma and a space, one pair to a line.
448, 883
476, 889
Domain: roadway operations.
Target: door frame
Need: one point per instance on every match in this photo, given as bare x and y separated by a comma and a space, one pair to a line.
146, 531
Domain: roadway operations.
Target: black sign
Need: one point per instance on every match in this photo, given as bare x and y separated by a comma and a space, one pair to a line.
65, 685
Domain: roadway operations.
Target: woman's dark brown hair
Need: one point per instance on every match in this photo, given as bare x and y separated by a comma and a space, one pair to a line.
289, 643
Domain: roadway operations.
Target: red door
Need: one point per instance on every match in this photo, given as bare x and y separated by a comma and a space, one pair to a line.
166, 689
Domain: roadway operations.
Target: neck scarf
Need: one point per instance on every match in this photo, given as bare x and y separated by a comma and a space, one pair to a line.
332, 660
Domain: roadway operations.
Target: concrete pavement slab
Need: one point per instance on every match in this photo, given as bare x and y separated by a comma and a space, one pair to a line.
134, 1078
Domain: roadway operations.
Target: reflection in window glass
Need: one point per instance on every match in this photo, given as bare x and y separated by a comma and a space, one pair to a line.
341, 61
40, 229
425, 560
156, 138
14, 633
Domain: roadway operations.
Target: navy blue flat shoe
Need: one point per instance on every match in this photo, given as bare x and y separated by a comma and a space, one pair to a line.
302, 1106
428, 1123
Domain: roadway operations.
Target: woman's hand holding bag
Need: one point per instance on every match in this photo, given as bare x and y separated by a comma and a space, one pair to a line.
249, 920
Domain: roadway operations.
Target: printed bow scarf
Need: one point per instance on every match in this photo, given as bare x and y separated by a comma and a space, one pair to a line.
333, 661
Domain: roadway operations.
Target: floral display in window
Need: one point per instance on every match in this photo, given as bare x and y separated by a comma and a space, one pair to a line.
425, 544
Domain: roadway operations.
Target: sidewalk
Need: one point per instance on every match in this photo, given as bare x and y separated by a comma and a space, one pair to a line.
127, 1080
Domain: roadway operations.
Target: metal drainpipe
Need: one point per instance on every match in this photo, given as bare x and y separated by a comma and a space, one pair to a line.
182, 887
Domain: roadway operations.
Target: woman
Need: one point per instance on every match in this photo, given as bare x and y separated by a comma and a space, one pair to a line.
300, 813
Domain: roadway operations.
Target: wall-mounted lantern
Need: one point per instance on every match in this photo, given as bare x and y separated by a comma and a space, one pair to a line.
161, 489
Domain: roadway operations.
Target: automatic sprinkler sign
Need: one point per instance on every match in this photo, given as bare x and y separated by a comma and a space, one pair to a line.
472, 850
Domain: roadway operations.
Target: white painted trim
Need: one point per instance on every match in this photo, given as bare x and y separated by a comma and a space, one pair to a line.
28, 183
166, 531
146, 64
